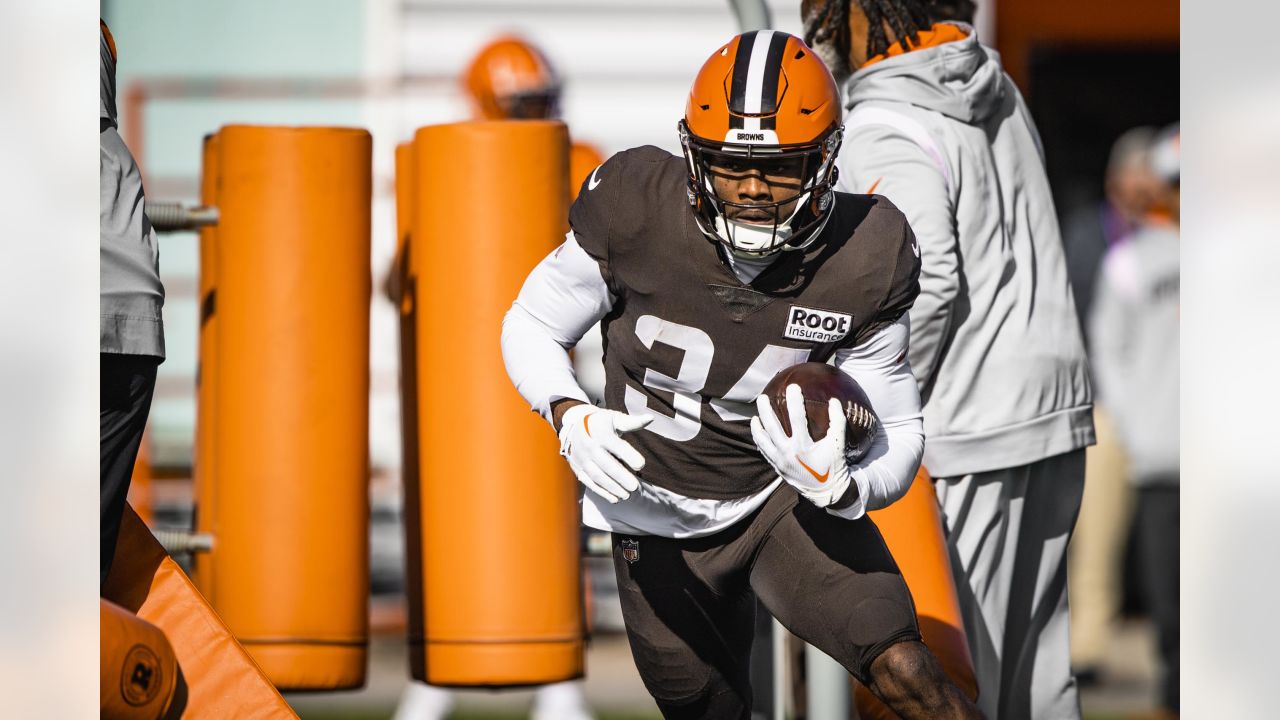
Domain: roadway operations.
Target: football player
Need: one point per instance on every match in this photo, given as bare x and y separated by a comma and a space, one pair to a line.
711, 273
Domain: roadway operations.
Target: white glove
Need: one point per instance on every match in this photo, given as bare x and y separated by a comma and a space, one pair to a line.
590, 440
818, 470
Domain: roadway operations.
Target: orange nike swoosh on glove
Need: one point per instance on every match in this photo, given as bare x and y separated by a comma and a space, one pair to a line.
820, 478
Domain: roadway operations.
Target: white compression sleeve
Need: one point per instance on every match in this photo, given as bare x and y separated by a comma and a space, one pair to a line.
560, 300
880, 366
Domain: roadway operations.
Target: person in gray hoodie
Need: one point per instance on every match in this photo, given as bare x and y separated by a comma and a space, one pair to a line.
933, 123
131, 328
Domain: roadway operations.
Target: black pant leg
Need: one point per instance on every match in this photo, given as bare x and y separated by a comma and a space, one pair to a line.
690, 644
833, 583
1158, 520
127, 383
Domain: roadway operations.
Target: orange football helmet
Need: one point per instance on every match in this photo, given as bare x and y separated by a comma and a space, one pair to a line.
763, 100
509, 79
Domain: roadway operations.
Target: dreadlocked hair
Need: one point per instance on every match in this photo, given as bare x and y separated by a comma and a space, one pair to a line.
905, 18
833, 27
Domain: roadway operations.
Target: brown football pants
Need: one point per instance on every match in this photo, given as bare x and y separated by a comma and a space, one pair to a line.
689, 605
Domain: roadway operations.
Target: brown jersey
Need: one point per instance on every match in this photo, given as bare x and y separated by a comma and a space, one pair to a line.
689, 343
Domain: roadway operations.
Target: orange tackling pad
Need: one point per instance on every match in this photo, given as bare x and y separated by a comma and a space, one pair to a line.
495, 577
223, 681
912, 528
285, 417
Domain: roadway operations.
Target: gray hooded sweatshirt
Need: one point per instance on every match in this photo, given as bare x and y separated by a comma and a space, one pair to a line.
944, 134
132, 296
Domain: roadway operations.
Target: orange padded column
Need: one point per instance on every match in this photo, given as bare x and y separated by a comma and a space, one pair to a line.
206, 368
140, 677
290, 560
498, 508
912, 528
405, 289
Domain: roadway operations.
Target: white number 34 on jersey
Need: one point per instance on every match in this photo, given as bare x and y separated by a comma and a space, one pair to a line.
691, 377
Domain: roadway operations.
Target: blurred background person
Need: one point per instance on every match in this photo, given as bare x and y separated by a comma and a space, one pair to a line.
511, 79
934, 124
1130, 190
131, 335
1135, 342
1096, 554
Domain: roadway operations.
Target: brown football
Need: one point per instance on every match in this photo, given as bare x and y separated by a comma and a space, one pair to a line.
820, 382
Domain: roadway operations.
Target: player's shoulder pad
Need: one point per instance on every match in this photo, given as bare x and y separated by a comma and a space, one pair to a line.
882, 215
621, 192
902, 243
889, 215
883, 205
629, 170
881, 237
873, 215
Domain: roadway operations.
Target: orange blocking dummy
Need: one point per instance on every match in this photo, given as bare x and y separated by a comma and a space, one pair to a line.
912, 528
404, 293
222, 680
206, 368
140, 677
499, 561
286, 406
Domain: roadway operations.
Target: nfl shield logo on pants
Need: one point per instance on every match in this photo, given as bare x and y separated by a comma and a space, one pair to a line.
631, 550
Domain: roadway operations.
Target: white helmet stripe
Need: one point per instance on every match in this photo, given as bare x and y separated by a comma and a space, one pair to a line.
755, 73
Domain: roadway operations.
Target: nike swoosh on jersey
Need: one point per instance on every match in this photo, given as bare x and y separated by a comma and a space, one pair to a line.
820, 478
593, 182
